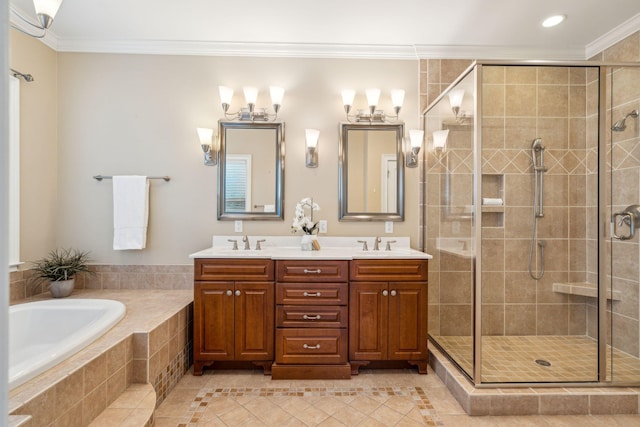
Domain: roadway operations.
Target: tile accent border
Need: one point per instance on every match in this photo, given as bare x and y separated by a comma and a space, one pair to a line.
205, 396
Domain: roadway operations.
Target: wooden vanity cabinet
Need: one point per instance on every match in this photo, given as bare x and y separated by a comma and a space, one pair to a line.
388, 312
311, 319
233, 312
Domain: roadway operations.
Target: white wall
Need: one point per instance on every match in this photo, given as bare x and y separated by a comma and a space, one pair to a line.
137, 114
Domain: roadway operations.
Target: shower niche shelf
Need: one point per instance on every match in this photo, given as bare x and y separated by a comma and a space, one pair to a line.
585, 289
493, 189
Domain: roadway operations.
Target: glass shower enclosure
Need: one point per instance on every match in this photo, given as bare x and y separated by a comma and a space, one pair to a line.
531, 199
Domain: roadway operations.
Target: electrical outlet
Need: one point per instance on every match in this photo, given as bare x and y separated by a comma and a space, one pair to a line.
322, 225
237, 226
388, 226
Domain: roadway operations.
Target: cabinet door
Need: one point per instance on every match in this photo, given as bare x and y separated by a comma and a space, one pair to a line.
407, 321
213, 320
254, 320
368, 321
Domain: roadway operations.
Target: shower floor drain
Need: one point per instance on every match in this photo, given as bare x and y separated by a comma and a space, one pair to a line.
543, 362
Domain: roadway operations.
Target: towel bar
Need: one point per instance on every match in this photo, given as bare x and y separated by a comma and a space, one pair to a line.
101, 177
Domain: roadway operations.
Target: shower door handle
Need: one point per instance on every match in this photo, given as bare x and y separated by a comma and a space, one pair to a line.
631, 217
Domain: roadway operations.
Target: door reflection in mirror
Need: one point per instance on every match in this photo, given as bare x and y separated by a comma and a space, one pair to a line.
251, 170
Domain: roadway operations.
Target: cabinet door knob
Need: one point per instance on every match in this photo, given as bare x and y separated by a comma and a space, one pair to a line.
229, 292
238, 293
385, 293
311, 294
393, 293
307, 317
311, 347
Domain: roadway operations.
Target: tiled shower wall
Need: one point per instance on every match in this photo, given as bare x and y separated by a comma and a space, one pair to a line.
435, 76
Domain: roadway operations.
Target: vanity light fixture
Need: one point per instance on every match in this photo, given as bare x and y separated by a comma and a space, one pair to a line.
251, 112
311, 143
372, 114
440, 140
415, 143
207, 144
45, 10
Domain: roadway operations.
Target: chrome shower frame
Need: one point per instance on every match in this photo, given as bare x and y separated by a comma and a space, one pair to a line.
604, 130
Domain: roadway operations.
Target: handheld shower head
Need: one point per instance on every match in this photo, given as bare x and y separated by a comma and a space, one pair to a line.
621, 124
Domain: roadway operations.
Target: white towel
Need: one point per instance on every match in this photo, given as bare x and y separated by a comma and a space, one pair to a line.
488, 201
269, 208
130, 212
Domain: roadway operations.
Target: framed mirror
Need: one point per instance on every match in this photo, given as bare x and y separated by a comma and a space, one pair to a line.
251, 171
371, 172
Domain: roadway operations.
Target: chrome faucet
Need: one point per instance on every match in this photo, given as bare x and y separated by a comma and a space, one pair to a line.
364, 245
235, 244
376, 243
258, 248
247, 246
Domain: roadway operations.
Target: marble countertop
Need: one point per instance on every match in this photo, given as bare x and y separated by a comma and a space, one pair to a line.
339, 248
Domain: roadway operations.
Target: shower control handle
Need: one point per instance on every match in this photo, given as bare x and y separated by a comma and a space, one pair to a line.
631, 217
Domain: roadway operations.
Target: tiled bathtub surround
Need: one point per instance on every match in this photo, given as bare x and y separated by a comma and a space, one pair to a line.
108, 277
151, 340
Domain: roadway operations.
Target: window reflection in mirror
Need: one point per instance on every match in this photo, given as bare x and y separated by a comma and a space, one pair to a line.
251, 169
371, 172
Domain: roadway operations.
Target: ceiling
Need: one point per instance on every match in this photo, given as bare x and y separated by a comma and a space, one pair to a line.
496, 29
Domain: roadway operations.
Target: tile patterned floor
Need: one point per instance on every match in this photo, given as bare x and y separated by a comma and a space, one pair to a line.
375, 398
513, 358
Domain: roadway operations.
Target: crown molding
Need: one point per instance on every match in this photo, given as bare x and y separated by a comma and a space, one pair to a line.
496, 52
300, 50
297, 50
619, 33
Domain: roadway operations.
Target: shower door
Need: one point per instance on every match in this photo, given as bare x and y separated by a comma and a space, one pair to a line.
538, 291
623, 271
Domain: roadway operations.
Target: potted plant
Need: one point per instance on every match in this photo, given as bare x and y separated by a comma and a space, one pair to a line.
60, 268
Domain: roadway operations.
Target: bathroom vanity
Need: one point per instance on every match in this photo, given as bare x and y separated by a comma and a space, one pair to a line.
310, 314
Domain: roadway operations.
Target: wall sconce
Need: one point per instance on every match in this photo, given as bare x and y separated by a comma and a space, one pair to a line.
372, 114
455, 100
210, 150
415, 143
45, 10
251, 112
311, 143
440, 140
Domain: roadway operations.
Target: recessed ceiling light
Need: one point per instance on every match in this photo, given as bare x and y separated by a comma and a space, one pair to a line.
554, 20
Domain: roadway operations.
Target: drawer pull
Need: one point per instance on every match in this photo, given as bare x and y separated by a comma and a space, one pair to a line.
316, 271
307, 317
311, 294
311, 347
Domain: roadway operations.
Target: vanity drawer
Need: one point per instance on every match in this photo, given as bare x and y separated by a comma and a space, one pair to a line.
304, 316
234, 269
312, 271
312, 293
404, 270
311, 346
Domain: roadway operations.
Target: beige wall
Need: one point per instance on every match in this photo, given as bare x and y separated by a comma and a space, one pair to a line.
137, 114
38, 144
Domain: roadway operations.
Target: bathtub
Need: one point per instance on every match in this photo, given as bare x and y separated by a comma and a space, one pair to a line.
44, 333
